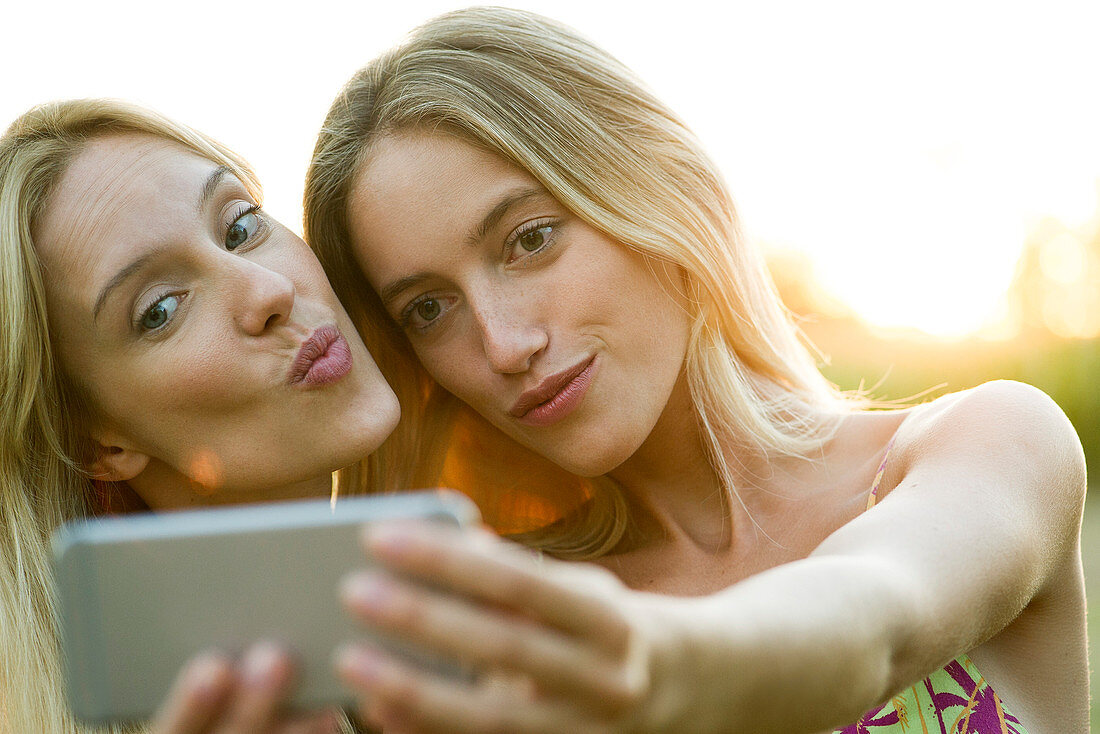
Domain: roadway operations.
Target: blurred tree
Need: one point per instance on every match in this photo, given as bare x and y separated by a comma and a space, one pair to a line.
1048, 336
1056, 290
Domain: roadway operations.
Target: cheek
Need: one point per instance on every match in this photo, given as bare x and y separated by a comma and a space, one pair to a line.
459, 367
647, 296
180, 389
205, 379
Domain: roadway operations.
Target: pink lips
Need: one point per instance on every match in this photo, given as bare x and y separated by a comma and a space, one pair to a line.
555, 397
322, 359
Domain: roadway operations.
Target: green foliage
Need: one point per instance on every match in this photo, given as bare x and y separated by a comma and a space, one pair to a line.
900, 368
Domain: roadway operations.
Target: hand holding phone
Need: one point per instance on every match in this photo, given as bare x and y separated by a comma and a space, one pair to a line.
214, 693
142, 594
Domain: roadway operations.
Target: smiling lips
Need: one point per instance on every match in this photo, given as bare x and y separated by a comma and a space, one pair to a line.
322, 359
555, 397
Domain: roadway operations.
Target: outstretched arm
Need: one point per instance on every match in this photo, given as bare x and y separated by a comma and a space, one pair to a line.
983, 520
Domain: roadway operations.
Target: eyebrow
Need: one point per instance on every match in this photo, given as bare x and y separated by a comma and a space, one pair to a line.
208, 189
490, 220
211, 184
497, 213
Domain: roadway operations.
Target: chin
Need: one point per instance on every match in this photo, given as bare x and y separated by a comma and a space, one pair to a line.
379, 421
591, 463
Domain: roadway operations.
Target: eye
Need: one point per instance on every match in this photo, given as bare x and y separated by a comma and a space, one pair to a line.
534, 238
159, 313
424, 313
243, 228
428, 309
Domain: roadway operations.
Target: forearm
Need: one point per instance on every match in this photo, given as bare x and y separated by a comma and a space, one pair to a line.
803, 647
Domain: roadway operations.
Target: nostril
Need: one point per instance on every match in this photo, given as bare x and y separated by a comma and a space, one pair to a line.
271, 321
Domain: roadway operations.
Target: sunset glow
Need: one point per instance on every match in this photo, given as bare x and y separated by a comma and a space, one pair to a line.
908, 151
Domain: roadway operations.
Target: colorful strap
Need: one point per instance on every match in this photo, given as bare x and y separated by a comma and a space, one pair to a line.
873, 497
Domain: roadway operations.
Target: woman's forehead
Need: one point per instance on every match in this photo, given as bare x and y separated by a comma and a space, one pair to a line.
120, 195
416, 179
115, 184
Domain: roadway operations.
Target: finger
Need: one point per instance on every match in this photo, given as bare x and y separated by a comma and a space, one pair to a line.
409, 700
490, 639
266, 678
471, 563
197, 696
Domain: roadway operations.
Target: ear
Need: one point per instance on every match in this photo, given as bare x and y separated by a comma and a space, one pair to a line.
112, 463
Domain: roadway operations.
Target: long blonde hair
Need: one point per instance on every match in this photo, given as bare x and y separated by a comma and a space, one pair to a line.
547, 100
42, 449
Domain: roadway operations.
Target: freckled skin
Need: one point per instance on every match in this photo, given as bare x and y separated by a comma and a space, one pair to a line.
206, 395
507, 326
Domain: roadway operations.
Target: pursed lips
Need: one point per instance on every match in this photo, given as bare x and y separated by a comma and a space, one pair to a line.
549, 388
323, 357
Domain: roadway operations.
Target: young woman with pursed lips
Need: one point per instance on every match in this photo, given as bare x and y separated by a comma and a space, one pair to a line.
558, 254
187, 350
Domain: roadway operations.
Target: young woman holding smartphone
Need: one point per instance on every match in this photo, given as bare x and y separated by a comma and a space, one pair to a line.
563, 269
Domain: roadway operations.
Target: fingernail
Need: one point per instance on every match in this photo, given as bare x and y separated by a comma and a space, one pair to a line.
369, 590
359, 663
262, 665
395, 539
208, 674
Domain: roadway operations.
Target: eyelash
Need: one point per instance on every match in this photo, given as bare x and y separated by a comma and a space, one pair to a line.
144, 311
527, 229
404, 319
242, 211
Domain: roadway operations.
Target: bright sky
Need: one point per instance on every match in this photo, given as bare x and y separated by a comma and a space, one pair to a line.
906, 149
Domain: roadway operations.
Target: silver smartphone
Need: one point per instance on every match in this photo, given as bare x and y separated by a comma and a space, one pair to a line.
142, 594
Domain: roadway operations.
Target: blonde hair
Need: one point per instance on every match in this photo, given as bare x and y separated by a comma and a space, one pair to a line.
42, 483
547, 100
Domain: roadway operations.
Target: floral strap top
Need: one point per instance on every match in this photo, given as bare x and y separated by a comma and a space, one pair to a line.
953, 700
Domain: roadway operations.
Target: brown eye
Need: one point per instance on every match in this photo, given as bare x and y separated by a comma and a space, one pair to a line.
535, 239
428, 309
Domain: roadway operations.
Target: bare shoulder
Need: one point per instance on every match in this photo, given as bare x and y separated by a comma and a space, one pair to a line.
1004, 440
990, 419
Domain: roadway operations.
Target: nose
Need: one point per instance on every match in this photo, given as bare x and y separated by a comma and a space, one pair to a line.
261, 298
509, 339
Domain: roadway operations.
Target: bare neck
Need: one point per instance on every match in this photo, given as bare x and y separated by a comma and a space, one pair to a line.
677, 495
670, 481
163, 488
